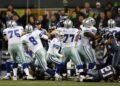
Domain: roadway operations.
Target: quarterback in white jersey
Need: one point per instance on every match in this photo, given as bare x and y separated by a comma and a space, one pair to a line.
15, 48
33, 41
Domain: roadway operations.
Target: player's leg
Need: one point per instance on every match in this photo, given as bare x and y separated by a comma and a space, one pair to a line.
13, 55
93, 56
71, 52
79, 64
56, 60
40, 55
8, 70
76, 58
87, 57
21, 54
116, 57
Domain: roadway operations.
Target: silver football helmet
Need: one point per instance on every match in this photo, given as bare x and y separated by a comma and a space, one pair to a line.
111, 23
87, 23
60, 34
68, 23
11, 23
28, 28
92, 20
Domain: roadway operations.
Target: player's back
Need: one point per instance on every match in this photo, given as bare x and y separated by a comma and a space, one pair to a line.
69, 36
13, 34
33, 40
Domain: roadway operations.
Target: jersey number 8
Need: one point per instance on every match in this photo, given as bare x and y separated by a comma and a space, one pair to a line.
14, 32
32, 40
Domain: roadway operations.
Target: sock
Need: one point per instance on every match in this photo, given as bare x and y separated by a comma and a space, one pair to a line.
25, 68
91, 65
56, 75
8, 74
15, 65
79, 67
60, 67
8, 68
14, 71
51, 72
29, 53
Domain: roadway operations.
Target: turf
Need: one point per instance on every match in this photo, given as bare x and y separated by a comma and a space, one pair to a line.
55, 83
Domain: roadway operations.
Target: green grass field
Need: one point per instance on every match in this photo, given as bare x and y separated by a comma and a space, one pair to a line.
55, 83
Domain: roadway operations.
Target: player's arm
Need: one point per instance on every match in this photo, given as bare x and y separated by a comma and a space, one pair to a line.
23, 33
93, 36
24, 42
77, 36
42, 35
51, 34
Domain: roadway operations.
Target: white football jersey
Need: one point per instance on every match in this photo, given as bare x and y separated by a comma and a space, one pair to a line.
79, 38
69, 36
13, 34
113, 30
85, 40
33, 40
54, 44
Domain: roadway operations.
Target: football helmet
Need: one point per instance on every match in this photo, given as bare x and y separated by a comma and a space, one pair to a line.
28, 28
111, 23
11, 23
68, 23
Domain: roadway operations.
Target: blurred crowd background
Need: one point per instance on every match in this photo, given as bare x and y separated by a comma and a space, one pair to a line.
49, 17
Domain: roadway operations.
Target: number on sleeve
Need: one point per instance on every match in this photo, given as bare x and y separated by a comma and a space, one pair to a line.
32, 40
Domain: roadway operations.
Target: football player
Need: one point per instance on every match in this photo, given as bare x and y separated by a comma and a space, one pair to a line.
15, 48
33, 41
68, 45
53, 54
